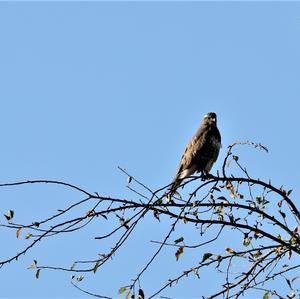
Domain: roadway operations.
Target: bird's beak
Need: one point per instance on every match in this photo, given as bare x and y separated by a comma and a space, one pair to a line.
213, 119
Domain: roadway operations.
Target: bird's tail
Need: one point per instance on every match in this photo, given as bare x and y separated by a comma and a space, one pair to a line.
174, 185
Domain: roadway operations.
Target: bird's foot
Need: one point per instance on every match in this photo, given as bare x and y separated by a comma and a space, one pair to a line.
205, 176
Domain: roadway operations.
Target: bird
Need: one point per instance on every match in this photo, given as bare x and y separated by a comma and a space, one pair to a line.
200, 153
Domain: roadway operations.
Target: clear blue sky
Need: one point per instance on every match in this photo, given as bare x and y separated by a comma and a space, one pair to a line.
88, 86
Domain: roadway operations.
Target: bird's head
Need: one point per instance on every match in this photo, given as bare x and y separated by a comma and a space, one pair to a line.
210, 118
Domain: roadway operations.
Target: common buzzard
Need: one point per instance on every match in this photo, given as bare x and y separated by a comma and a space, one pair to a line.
201, 152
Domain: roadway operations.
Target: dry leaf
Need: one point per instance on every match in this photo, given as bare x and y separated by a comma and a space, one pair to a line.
18, 233
179, 252
89, 213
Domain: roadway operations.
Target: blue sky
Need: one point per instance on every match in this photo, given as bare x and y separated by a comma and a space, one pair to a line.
89, 86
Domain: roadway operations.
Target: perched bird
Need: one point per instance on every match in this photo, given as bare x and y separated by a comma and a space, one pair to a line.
201, 152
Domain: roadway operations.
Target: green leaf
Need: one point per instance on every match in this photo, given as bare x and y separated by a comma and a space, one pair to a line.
141, 294
9, 215
156, 214
37, 274
178, 195
102, 215
285, 266
79, 278
282, 214
266, 295
230, 250
289, 283
296, 277
121, 290
222, 198
179, 240
123, 221
73, 266
206, 256
235, 158
96, 266
247, 241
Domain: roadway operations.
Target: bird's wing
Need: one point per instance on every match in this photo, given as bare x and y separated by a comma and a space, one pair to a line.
193, 149
201, 149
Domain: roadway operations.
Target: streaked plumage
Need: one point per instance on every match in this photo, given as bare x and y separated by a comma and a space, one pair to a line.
201, 152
